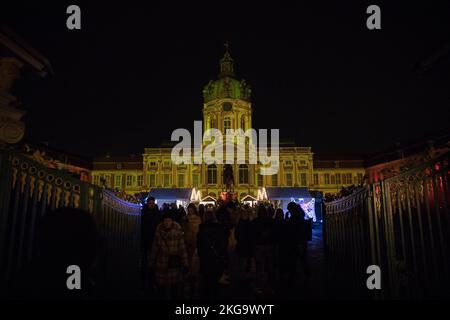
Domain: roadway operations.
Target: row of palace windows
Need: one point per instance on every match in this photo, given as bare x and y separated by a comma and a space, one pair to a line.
137, 180
337, 178
227, 123
167, 163
119, 180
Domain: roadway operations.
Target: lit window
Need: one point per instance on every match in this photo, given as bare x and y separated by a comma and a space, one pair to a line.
243, 174
360, 177
96, 180
274, 180
303, 181
195, 180
349, 178
338, 178
226, 124
118, 181
289, 179
181, 180
167, 180
139, 180
326, 178
212, 174
129, 181
152, 180
260, 180
316, 178
108, 180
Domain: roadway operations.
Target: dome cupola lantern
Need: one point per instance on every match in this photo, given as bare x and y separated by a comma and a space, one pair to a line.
226, 86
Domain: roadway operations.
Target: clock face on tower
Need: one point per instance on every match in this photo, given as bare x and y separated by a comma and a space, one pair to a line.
227, 106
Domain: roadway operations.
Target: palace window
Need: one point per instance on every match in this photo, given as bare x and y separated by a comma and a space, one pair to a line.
180, 180
260, 180
243, 123
107, 180
338, 178
326, 178
152, 180
226, 124
333, 180
118, 181
275, 180
360, 177
140, 180
289, 179
167, 177
243, 174
212, 174
195, 179
212, 124
302, 163
347, 178
96, 180
131, 180
316, 178
303, 181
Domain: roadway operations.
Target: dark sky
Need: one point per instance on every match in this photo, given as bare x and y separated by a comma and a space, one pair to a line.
136, 70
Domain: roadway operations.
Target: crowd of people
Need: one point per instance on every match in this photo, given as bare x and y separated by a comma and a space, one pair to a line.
195, 253
344, 192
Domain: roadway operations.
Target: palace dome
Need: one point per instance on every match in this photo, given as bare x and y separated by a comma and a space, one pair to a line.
226, 85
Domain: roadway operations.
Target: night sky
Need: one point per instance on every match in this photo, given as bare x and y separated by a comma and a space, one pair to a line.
136, 70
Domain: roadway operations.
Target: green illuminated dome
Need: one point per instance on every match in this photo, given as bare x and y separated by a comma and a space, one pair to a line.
226, 86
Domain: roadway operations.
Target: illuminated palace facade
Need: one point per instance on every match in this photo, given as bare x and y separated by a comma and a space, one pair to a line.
227, 105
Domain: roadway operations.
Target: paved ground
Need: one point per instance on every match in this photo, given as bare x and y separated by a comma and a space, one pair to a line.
315, 289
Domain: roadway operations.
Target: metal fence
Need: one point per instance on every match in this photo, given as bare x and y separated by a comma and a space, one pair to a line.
29, 189
401, 224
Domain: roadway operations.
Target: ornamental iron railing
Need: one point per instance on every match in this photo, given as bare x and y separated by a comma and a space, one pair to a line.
402, 225
29, 189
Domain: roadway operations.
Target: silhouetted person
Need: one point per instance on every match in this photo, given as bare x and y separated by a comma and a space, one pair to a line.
191, 226
182, 212
65, 237
297, 238
262, 234
150, 219
244, 248
201, 211
212, 244
281, 246
176, 213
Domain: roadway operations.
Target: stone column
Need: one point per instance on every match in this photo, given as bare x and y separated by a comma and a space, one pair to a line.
12, 129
